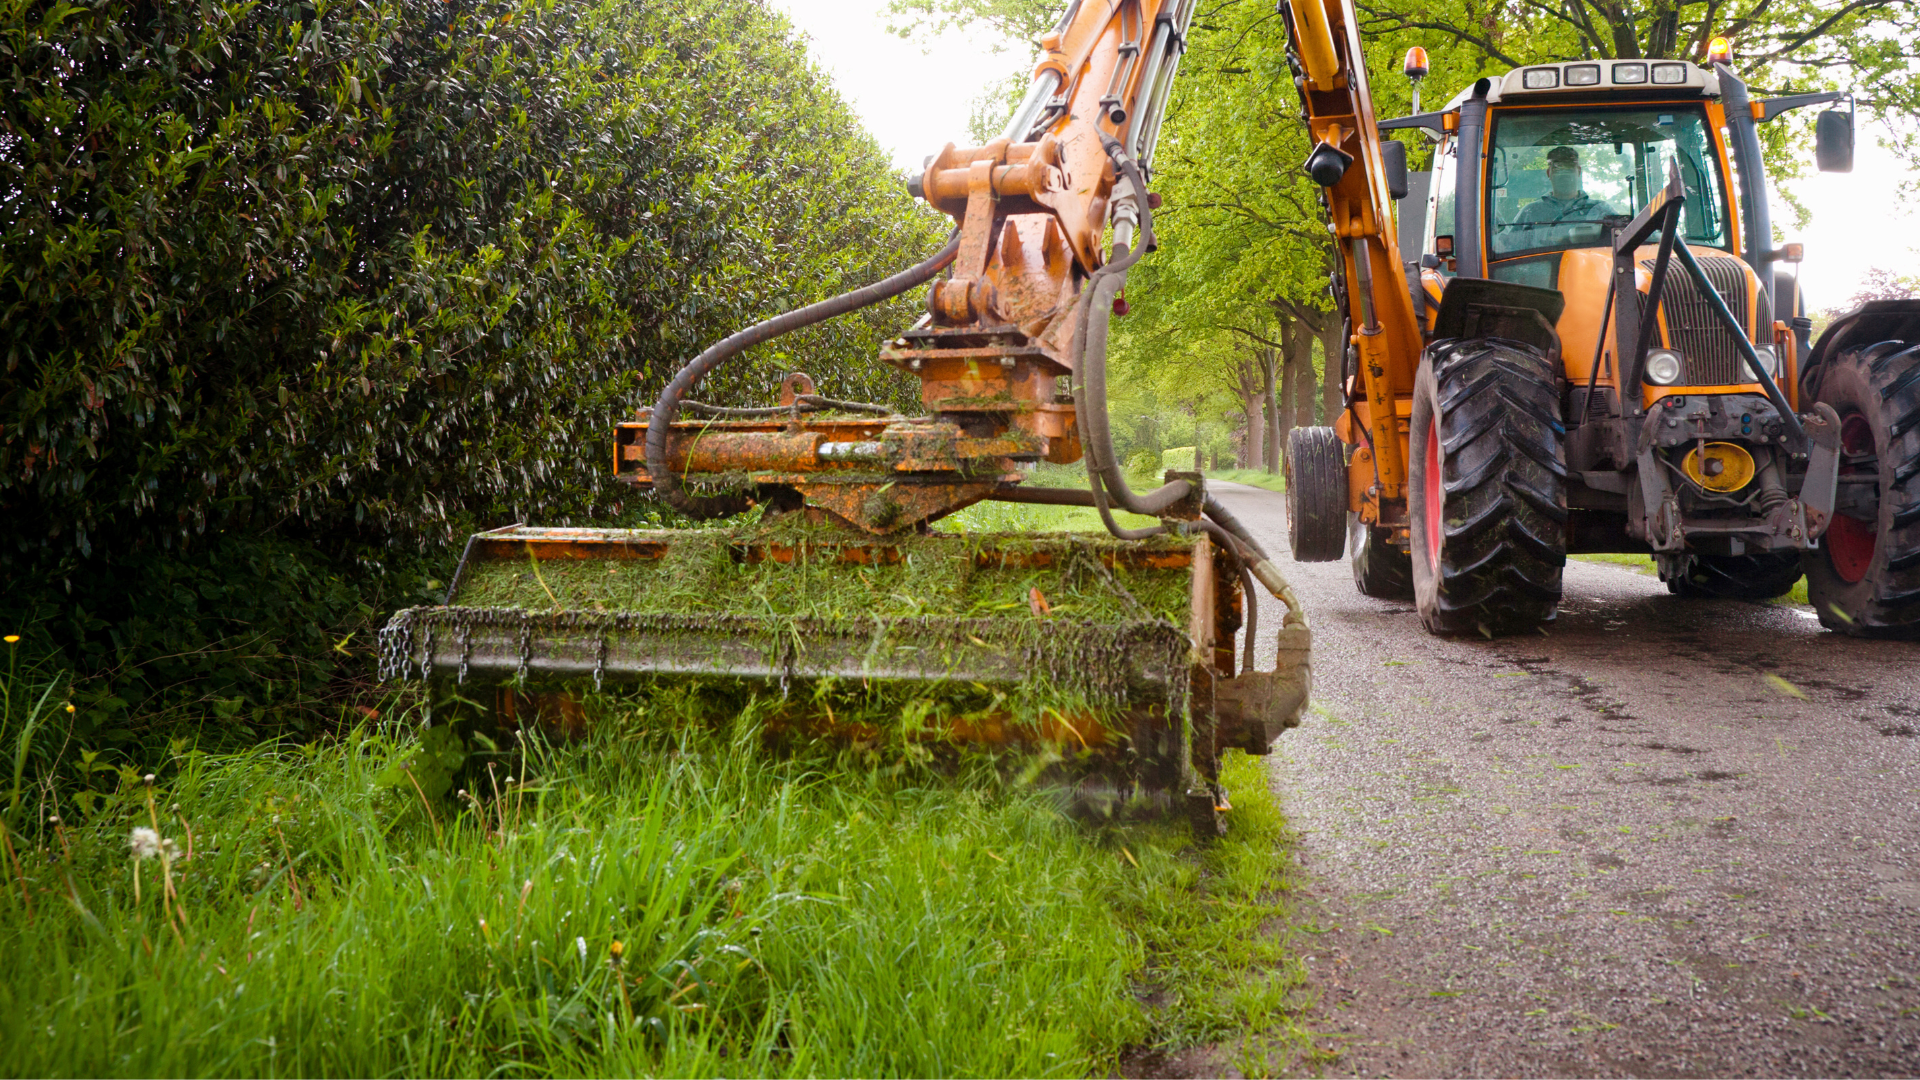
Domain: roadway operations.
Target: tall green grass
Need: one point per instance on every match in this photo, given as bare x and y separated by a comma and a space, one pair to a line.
653, 900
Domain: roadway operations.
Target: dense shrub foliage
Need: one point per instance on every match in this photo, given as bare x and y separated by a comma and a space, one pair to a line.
363, 275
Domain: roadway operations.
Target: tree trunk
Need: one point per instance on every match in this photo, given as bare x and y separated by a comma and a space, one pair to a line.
1273, 371
1289, 384
1304, 384
1252, 447
1333, 355
1248, 387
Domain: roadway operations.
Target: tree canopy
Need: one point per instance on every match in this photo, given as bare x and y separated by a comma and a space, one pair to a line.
1243, 261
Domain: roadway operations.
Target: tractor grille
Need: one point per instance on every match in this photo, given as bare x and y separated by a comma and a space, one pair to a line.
1712, 357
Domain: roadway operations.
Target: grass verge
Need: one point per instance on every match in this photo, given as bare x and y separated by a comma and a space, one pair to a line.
653, 900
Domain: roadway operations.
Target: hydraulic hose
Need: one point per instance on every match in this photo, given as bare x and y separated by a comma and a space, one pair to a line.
1090, 346
1256, 560
1090, 408
667, 485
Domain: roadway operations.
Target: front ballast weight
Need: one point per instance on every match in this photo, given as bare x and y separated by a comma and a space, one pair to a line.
1117, 657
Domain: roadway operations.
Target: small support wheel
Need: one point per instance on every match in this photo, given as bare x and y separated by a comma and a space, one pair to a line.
1316, 494
1204, 813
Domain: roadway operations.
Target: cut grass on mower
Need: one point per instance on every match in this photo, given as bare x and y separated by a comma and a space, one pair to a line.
656, 899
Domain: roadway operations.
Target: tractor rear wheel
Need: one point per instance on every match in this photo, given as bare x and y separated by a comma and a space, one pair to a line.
1864, 579
1487, 490
1736, 577
1380, 569
1316, 494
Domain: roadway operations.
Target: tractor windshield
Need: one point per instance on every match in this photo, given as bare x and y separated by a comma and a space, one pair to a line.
1554, 175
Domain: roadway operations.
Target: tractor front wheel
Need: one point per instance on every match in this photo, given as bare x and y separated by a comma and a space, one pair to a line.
1735, 577
1864, 578
1487, 492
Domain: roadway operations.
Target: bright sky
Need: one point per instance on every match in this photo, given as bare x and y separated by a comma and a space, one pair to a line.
914, 102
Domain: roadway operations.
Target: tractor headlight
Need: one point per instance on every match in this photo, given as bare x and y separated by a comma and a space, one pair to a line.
1664, 367
1769, 360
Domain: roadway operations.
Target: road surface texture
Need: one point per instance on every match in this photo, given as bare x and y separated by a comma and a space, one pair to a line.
1666, 838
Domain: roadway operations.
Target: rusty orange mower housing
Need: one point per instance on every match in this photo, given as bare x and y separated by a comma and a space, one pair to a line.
1129, 637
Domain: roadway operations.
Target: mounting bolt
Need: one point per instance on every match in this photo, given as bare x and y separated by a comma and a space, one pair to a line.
914, 363
1007, 362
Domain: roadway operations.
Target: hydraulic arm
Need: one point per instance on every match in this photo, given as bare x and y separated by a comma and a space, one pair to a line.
1347, 162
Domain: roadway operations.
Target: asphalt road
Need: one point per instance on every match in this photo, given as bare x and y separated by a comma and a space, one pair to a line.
1666, 838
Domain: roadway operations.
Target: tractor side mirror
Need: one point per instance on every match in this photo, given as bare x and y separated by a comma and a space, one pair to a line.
1393, 156
1833, 141
1443, 245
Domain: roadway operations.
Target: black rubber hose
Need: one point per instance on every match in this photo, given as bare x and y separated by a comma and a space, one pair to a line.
665, 484
1256, 560
1090, 347
1099, 492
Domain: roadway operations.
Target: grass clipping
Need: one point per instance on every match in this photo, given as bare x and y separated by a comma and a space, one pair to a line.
912, 632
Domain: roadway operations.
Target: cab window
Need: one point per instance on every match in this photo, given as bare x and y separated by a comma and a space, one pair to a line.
1553, 175
1440, 202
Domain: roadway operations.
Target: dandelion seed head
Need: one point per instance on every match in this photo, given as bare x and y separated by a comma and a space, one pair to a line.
144, 842
147, 779
169, 850
53, 819
580, 946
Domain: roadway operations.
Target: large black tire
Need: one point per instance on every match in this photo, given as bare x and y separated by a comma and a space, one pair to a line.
1736, 577
1316, 494
1380, 569
1864, 579
1487, 490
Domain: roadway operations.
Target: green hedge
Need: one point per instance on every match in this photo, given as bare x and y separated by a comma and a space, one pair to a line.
361, 276
372, 266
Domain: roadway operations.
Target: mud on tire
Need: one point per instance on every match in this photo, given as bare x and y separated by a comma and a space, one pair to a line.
1316, 494
1487, 490
1380, 569
1864, 579
1735, 577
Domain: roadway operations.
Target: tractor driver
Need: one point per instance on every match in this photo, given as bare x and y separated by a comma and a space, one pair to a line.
1565, 202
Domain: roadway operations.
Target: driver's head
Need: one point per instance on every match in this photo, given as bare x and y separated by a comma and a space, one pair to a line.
1563, 172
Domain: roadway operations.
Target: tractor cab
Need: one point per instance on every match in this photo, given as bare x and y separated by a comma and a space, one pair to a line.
1533, 174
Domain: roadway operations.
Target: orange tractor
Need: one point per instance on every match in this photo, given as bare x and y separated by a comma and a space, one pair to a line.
1591, 350
837, 585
